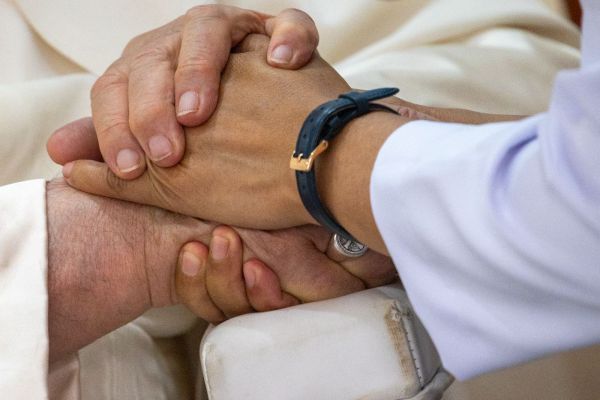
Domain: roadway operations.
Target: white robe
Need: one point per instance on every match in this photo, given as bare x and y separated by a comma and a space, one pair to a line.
496, 56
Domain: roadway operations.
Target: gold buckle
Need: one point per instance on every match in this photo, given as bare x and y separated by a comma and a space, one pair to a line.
298, 163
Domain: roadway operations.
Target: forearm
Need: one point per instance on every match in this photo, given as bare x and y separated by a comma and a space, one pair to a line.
86, 291
108, 262
344, 171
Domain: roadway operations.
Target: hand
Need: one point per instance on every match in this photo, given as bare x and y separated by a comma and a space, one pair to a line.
244, 179
236, 168
108, 262
170, 76
227, 280
230, 279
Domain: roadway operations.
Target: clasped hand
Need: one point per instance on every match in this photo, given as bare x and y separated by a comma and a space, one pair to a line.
235, 169
227, 174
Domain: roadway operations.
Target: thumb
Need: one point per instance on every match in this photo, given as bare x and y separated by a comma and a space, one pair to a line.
74, 141
96, 178
294, 39
253, 43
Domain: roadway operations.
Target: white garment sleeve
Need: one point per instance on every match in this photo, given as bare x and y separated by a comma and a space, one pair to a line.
495, 229
23, 295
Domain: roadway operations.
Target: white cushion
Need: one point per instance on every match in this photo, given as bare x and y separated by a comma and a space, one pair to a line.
367, 345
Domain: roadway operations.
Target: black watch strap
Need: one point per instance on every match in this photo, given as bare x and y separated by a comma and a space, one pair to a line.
321, 126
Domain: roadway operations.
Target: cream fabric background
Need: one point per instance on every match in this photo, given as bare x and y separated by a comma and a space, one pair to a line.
23, 338
497, 56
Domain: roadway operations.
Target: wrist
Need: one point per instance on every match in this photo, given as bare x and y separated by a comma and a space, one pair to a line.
165, 234
95, 283
343, 174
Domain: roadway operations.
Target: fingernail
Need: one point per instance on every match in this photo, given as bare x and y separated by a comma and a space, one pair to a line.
249, 277
128, 160
219, 247
282, 54
160, 147
66, 170
190, 264
188, 103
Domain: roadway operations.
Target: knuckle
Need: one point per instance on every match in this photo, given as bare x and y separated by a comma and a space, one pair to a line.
301, 23
114, 183
145, 115
134, 43
150, 56
156, 44
197, 64
111, 79
297, 14
206, 11
114, 128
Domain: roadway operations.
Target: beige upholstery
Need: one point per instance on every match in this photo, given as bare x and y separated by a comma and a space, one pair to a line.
368, 345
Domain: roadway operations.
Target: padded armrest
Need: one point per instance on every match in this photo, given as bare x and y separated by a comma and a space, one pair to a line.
367, 345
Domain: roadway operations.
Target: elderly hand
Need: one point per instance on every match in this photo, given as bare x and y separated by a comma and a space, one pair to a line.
236, 170
108, 262
170, 76
245, 270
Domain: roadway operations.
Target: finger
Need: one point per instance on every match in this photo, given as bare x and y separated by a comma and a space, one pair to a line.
110, 112
294, 39
333, 253
253, 43
96, 178
74, 141
372, 268
190, 282
224, 277
209, 34
263, 288
303, 269
326, 280
152, 108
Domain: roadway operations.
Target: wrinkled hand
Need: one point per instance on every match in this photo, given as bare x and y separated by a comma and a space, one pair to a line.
171, 75
108, 262
231, 272
236, 170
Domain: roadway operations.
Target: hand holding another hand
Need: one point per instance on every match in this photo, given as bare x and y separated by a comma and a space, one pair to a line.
248, 270
298, 269
109, 261
236, 169
170, 77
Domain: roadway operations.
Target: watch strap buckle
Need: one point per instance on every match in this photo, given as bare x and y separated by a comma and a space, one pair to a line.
298, 163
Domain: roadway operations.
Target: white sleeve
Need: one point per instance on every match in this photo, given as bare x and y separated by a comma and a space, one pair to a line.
23, 294
495, 229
